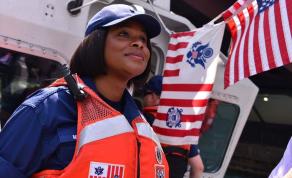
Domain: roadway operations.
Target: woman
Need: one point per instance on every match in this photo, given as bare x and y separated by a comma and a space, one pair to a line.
52, 135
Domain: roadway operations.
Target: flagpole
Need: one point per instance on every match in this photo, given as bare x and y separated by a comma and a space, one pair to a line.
248, 2
158, 16
216, 18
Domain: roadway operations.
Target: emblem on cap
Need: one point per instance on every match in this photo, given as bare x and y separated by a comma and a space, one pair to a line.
158, 154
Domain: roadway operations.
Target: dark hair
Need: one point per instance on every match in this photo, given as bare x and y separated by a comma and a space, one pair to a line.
88, 59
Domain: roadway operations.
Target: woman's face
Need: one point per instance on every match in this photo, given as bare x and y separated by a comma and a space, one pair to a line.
126, 51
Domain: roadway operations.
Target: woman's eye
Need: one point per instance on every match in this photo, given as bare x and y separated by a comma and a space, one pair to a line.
124, 34
143, 38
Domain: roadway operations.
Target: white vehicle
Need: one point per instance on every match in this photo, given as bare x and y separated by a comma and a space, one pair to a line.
253, 122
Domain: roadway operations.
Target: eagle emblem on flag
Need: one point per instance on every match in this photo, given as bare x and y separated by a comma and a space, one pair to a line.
199, 53
174, 117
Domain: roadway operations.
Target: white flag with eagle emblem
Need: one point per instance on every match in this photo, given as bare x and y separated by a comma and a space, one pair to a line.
188, 78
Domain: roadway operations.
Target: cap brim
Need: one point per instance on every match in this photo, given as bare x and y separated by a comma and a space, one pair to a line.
151, 25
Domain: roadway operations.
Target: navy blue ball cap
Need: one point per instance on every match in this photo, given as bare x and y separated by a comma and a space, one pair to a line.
117, 13
154, 85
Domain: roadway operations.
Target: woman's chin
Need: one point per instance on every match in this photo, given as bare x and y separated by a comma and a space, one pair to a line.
136, 71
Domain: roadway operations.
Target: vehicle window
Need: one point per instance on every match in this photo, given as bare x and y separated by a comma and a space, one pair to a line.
20, 75
265, 135
272, 108
214, 142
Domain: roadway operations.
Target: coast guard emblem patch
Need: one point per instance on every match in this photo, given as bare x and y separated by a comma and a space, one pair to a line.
158, 154
174, 117
106, 170
159, 171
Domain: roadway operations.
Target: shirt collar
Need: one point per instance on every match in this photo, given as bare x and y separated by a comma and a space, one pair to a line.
126, 106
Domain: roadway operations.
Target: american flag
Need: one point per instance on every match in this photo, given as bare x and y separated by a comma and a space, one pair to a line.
261, 39
234, 8
105, 170
188, 78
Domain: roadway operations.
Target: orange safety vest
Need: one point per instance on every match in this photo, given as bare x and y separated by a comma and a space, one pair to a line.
107, 146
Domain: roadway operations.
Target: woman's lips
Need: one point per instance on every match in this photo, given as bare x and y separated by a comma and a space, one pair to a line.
136, 55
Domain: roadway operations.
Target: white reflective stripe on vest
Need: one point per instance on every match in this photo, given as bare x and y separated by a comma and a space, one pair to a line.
103, 129
146, 130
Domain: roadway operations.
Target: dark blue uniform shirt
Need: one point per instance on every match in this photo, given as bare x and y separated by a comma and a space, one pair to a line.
41, 133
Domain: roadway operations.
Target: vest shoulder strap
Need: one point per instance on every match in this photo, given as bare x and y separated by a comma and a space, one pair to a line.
74, 84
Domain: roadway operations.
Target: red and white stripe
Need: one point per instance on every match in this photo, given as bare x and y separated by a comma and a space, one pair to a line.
185, 87
260, 42
114, 170
233, 9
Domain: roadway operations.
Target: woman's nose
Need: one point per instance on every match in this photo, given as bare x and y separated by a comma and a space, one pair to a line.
137, 43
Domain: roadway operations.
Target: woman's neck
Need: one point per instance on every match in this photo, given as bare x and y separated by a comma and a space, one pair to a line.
110, 87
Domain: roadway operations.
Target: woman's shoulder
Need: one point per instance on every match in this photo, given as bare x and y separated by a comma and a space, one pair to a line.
50, 106
49, 94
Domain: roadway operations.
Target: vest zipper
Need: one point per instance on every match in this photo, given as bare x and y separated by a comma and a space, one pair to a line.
138, 158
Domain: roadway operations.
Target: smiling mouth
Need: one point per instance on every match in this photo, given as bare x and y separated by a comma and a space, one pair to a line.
135, 56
